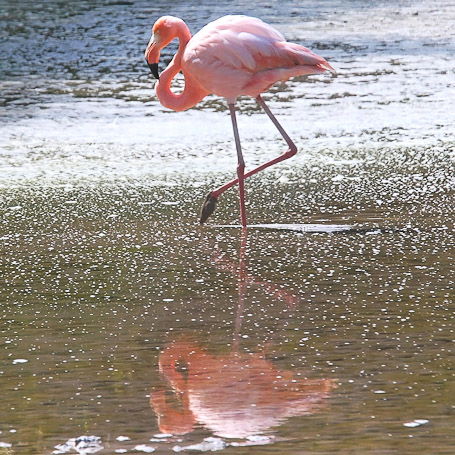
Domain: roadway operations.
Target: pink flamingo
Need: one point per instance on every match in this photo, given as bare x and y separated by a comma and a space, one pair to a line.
232, 56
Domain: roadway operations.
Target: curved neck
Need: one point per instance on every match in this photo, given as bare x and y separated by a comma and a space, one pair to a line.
192, 93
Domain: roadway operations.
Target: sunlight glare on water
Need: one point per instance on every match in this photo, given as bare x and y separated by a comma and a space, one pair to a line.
126, 327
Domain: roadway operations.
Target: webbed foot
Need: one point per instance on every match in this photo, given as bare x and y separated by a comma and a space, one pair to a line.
208, 207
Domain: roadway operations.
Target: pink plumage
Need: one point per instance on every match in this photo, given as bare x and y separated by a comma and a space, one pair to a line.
232, 56
241, 55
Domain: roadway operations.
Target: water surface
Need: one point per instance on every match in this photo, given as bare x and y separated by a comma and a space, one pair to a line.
123, 319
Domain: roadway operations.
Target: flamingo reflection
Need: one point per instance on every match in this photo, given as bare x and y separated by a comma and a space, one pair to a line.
234, 395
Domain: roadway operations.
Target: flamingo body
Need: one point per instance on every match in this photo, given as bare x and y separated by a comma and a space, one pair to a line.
241, 55
229, 57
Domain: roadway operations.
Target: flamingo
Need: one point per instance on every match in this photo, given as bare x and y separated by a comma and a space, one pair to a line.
231, 56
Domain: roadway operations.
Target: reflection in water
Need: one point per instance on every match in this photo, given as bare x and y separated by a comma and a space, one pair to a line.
234, 395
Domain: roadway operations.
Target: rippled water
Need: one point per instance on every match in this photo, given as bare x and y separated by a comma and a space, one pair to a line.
328, 330
78, 100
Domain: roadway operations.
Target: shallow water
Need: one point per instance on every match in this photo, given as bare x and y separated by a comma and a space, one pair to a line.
327, 327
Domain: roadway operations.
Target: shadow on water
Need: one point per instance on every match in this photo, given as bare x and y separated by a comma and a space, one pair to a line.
309, 228
316, 228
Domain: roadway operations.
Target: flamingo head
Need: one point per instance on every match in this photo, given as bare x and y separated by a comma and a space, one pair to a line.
166, 28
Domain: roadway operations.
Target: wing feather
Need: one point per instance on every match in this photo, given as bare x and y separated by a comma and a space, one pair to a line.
234, 51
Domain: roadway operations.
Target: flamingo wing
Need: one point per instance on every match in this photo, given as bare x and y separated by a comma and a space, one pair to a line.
241, 55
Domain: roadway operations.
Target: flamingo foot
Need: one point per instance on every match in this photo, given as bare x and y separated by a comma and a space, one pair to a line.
208, 207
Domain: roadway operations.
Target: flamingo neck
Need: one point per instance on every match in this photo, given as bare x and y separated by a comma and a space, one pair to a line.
192, 93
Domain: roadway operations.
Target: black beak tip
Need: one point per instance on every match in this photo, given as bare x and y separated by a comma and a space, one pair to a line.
154, 69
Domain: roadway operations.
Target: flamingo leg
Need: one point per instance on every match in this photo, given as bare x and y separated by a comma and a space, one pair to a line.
240, 166
210, 203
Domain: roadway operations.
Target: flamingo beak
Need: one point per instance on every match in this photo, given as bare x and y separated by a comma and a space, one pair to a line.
152, 55
154, 69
